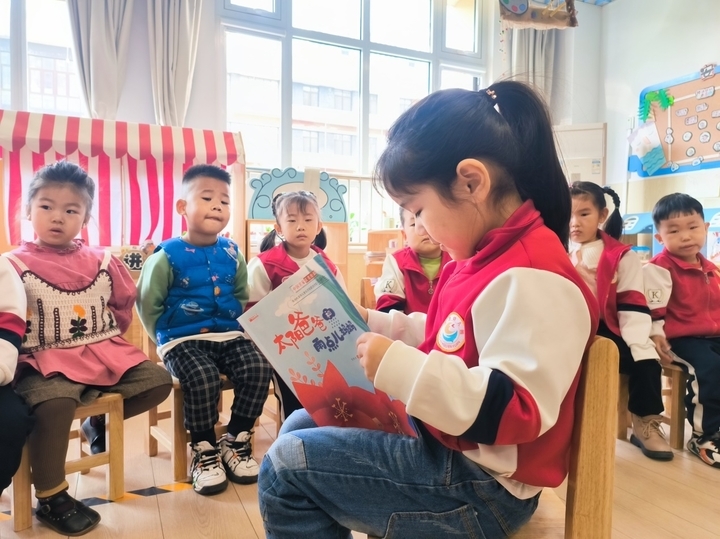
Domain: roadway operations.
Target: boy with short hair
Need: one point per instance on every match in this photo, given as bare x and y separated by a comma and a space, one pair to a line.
410, 275
191, 292
683, 293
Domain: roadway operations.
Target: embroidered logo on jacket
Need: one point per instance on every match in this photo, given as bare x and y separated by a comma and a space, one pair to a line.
451, 336
654, 296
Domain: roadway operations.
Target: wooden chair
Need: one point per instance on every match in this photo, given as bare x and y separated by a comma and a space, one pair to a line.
108, 403
673, 397
588, 506
367, 292
587, 513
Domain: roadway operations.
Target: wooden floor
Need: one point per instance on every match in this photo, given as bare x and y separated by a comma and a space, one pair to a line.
653, 500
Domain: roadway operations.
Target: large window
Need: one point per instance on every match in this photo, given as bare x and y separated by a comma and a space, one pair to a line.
5, 68
45, 57
321, 81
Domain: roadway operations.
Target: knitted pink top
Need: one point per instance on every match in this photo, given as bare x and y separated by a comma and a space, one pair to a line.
102, 295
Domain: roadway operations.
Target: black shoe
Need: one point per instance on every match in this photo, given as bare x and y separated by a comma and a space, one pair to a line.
95, 435
66, 515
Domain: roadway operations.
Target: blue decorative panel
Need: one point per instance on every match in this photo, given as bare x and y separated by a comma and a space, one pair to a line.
269, 183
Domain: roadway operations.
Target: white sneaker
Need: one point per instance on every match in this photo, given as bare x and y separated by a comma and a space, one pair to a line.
208, 475
237, 457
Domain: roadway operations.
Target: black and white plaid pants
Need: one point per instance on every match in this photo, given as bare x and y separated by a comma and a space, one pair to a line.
198, 365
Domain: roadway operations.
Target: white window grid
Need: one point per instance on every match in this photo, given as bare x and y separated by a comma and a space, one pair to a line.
278, 25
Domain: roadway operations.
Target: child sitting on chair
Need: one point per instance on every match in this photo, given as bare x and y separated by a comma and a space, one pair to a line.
15, 419
298, 224
80, 302
683, 291
410, 275
614, 273
191, 292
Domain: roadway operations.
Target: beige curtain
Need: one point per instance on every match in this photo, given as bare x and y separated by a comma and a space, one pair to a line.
173, 27
532, 57
101, 32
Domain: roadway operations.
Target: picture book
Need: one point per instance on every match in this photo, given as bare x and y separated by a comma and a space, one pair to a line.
307, 328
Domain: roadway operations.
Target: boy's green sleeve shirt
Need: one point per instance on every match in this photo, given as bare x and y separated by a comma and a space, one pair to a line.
241, 286
152, 289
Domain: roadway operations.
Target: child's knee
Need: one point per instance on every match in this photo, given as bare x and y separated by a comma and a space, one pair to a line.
287, 454
16, 423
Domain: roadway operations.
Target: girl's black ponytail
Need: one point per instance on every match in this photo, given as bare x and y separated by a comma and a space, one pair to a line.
268, 241
321, 240
537, 171
614, 224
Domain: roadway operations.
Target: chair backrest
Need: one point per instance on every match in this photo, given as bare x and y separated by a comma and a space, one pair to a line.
367, 293
588, 511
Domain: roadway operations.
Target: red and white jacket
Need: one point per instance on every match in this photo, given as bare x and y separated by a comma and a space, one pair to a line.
620, 292
684, 299
13, 310
403, 284
269, 269
493, 368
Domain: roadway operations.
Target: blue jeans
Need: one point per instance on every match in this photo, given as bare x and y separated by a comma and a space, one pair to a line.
323, 482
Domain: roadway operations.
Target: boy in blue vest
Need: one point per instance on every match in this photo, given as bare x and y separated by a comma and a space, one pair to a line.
191, 292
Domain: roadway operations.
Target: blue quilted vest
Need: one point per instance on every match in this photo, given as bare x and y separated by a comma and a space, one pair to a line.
201, 298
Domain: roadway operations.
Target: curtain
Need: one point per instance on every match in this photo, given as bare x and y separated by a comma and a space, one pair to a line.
101, 32
173, 27
532, 58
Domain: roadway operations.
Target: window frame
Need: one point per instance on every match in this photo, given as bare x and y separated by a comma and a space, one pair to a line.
20, 71
279, 27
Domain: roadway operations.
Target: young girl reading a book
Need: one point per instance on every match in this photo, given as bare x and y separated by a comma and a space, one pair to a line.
298, 225
80, 302
490, 374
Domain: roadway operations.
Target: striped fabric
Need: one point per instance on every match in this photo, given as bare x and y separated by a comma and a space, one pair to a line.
137, 169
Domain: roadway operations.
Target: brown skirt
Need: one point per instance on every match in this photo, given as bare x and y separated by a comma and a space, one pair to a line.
35, 388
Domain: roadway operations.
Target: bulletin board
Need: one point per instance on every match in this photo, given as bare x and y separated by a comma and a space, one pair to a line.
685, 128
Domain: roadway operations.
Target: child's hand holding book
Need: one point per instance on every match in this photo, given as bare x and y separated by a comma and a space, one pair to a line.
371, 348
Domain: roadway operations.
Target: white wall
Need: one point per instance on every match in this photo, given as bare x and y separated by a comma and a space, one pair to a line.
645, 42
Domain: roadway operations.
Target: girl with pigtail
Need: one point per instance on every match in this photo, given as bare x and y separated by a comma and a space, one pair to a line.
299, 227
614, 273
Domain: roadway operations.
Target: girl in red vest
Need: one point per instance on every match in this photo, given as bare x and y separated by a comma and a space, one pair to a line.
298, 225
614, 273
489, 375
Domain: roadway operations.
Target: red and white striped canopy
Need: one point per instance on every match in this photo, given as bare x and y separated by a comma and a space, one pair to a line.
137, 169
42, 133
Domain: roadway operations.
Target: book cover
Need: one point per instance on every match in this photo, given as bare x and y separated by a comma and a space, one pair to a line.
307, 329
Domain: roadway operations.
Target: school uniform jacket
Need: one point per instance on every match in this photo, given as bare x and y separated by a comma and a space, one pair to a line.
269, 269
684, 300
13, 310
498, 355
621, 294
403, 284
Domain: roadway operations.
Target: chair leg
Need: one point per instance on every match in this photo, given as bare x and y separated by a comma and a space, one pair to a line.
179, 438
116, 448
622, 404
21, 499
83, 453
677, 410
151, 444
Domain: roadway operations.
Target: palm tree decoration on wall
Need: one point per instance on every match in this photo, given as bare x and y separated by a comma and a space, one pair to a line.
661, 97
